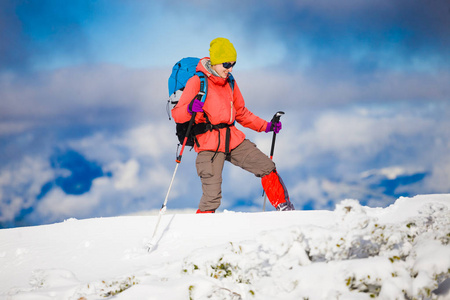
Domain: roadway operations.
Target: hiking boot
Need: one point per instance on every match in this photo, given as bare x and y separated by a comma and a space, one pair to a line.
285, 206
205, 212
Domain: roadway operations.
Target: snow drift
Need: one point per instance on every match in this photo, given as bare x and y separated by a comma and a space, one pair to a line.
353, 252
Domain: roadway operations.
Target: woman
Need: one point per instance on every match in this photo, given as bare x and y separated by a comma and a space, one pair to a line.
223, 106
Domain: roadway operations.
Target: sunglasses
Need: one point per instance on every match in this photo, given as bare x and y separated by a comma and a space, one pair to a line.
228, 65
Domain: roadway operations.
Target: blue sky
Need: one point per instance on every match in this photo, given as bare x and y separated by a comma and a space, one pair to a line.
83, 84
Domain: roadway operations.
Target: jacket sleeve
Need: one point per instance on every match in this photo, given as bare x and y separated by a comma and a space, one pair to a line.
244, 116
180, 113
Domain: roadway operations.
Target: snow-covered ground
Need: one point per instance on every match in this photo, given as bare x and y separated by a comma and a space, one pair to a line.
353, 252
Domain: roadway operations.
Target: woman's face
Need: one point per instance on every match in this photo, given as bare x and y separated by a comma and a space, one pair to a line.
221, 70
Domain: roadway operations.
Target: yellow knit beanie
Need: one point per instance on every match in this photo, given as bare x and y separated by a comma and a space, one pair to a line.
221, 50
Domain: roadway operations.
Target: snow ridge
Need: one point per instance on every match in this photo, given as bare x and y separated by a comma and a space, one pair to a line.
390, 261
353, 252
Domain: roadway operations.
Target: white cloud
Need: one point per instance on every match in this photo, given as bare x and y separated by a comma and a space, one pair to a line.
57, 205
20, 183
439, 179
94, 96
343, 117
392, 172
324, 160
332, 132
321, 161
151, 139
126, 175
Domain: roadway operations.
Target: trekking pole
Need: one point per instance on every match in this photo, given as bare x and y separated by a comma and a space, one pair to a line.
275, 119
153, 241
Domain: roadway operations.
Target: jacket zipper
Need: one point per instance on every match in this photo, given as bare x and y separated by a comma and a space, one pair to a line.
231, 112
231, 104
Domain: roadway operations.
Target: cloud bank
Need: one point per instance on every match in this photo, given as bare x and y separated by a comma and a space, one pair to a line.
364, 86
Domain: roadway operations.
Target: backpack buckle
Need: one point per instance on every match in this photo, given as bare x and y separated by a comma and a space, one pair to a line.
200, 96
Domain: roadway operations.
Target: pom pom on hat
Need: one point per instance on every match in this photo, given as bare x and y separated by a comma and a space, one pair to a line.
221, 50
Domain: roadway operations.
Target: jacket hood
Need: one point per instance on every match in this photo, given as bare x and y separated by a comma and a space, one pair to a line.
202, 67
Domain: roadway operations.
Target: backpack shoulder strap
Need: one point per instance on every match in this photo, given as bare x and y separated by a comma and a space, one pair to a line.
231, 81
203, 86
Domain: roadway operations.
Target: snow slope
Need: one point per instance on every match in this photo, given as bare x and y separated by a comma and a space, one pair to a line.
353, 252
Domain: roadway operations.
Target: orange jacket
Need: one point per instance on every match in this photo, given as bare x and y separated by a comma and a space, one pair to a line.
222, 105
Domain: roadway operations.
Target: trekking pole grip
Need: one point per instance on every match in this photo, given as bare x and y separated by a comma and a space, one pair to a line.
277, 116
275, 119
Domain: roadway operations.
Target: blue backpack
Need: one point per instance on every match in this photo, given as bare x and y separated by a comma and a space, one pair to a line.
182, 71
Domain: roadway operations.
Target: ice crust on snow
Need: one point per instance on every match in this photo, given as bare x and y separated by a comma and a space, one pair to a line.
353, 252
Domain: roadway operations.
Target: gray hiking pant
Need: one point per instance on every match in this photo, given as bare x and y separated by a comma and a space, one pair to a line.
246, 155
